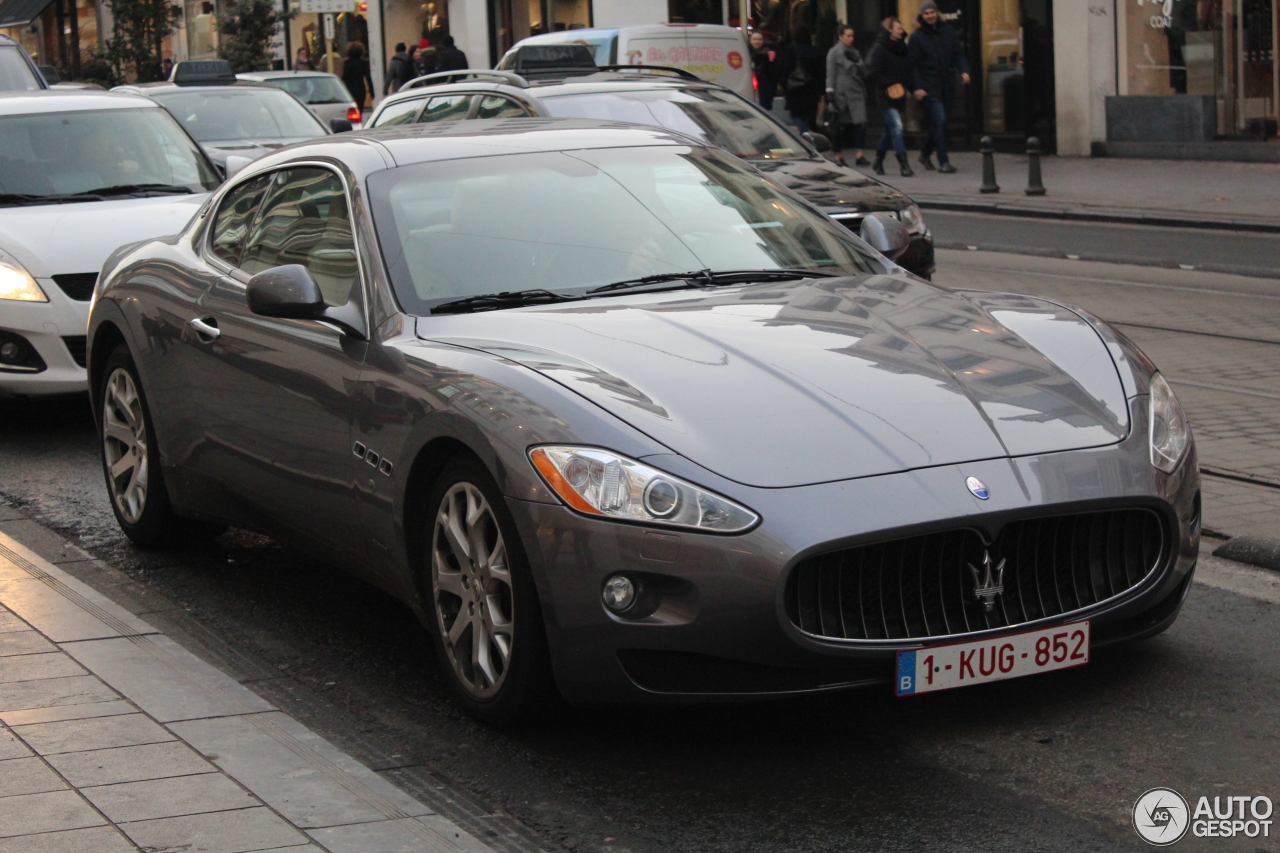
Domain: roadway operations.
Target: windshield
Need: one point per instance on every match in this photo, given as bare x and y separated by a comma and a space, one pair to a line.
314, 90
719, 118
568, 222
51, 154
248, 113
15, 74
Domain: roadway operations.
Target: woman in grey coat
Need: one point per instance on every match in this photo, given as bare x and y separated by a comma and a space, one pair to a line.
846, 97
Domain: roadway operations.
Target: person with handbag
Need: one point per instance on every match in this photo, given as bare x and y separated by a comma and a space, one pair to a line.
846, 97
889, 70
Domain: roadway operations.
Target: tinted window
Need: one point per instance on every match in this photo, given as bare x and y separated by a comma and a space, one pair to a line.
235, 215
62, 153
400, 112
15, 73
464, 227
314, 90
241, 113
496, 106
305, 220
720, 118
446, 108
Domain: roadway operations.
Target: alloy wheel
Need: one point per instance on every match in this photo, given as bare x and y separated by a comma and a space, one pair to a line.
471, 584
124, 442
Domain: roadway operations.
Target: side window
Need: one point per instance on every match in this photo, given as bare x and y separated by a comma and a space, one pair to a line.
305, 220
231, 224
446, 108
496, 106
398, 113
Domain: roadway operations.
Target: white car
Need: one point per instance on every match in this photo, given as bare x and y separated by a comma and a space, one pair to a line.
81, 174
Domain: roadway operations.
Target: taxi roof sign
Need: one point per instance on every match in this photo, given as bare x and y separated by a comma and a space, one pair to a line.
202, 72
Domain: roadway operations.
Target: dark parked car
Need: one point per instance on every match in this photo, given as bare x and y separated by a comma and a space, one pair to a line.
676, 437
231, 117
672, 99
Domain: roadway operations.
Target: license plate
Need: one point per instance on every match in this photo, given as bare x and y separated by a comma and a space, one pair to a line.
993, 659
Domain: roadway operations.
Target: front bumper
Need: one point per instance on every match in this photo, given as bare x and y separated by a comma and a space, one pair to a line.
720, 629
56, 331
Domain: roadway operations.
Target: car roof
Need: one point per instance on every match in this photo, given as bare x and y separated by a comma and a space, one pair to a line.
166, 86
6, 41
600, 81
258, 76
69, 100
424, 143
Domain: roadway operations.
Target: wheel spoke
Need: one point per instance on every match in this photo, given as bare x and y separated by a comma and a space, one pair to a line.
450, 582
460, 624
481, 655
118, 431
122, 466
457, 538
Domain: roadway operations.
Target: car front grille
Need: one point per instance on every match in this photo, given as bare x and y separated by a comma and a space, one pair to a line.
76, 345
78, 285
927, 586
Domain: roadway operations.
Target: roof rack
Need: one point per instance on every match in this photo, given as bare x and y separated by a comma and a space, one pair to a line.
451, 76
662, 69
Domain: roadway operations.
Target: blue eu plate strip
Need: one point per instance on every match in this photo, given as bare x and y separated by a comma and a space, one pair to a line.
906, 682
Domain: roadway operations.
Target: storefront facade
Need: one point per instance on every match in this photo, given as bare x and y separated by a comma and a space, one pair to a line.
60, 33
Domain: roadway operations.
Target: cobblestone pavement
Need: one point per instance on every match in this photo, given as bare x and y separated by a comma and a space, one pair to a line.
1215, 337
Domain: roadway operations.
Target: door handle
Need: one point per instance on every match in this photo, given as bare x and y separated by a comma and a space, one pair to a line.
206, 327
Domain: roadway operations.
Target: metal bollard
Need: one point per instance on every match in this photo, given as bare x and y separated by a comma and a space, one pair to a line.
987, 146
1035, 186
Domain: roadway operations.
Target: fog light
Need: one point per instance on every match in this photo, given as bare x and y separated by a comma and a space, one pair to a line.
11, 352
619, 593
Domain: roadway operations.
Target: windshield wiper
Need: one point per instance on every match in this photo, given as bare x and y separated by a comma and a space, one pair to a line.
7, 199
125, 189
707, 278
505, 299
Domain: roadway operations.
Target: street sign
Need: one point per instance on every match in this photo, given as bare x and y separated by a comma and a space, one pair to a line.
310, 7
328, 26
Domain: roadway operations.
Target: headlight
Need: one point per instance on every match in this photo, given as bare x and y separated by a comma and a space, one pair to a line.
1170, 432
16, 283
597, 482
912, 218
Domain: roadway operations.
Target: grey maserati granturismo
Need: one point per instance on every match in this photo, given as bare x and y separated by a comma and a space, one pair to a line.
618, 416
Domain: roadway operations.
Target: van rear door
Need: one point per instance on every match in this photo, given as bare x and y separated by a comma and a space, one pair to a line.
717, 54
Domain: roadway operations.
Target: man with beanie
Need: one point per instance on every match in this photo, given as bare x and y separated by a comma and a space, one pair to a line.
935, 54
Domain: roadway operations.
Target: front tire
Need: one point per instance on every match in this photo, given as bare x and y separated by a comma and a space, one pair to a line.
488, 625
131, 455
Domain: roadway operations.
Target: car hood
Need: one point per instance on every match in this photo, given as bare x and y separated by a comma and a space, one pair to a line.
827, 185
816, 381
220, 150
53, 239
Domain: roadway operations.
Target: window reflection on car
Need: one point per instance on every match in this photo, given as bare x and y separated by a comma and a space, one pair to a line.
240, 113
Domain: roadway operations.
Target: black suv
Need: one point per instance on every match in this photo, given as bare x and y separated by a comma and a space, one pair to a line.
17, 72
673, 99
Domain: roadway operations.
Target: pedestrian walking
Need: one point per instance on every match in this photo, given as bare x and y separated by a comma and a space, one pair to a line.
764, 64
302, 60
802, 76
450, 58
847, 97
355, 73
889, 73
935, 55
400, 69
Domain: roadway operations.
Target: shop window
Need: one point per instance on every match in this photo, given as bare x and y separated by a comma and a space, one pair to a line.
513, 20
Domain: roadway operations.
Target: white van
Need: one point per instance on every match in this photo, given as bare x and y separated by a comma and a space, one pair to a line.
715, 53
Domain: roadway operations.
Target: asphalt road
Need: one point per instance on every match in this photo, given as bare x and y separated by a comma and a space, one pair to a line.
1204, 249
1052, 763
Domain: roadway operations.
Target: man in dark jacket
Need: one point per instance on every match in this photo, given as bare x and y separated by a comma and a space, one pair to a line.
399, 69
450, 58
802, 79
935, 54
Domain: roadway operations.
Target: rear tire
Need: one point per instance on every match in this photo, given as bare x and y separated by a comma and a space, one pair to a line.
487, 622
131, 461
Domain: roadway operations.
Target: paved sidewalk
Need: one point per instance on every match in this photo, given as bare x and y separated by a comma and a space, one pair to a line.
1159, 192
115, 738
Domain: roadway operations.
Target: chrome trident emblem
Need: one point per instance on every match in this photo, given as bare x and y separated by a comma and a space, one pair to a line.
988, 584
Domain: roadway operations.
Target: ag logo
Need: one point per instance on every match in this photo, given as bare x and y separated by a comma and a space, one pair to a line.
1161, 817
735, 59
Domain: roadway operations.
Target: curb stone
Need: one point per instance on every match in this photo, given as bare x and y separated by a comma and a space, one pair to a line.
1262, 551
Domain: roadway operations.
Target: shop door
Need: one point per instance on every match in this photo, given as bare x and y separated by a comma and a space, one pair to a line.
1017, 68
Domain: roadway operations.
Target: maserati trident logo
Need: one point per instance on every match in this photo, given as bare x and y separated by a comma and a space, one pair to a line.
978, 488
988, 583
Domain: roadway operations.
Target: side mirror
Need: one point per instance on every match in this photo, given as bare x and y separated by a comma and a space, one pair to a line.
235, 163
819, 141
340, 125
886, 235
287, 291
290, 292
